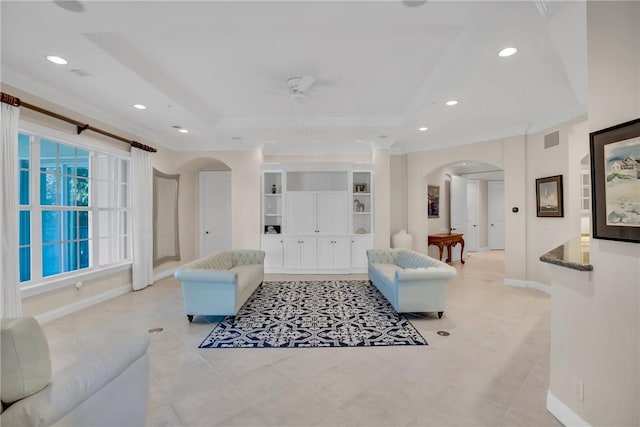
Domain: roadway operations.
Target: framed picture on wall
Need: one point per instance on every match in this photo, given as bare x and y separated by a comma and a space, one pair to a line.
433, 201
549, 201
615, 182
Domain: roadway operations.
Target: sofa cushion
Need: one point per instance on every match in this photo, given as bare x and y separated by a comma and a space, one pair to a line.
388, 271
248, 275
26, 364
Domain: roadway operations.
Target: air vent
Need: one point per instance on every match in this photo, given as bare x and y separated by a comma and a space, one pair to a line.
552, 139
80, 72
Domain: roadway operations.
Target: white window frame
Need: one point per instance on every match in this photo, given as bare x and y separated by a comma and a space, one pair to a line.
38, 284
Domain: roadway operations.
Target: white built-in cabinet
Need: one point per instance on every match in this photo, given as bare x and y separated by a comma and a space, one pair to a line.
317, 218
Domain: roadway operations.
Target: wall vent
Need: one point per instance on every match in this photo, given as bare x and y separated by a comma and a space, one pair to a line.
552, 139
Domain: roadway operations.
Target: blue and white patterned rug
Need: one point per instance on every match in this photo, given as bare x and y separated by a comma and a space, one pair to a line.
340, 313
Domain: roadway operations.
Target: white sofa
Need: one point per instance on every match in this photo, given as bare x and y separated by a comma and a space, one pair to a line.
411, 281
218, 284
105, 387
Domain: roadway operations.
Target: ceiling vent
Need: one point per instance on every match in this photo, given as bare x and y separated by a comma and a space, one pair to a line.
552, 139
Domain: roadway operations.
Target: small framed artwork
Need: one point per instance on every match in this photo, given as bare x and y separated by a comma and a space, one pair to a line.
359, 188
271, 229
615, 182
549, 201
433, 201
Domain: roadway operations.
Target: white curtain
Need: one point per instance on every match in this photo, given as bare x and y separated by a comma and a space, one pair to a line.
142, 221
11, 304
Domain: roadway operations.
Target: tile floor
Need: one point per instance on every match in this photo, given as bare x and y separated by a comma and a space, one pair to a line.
492, 370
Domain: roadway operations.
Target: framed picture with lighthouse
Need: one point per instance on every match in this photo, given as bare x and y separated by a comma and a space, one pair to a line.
549, 201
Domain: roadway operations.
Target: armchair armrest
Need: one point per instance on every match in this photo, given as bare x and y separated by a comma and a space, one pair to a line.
76, 383
205, 275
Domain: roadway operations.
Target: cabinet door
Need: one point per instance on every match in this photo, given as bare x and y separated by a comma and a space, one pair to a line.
332, 213
341, 252
301, 213
359, 247
292, 254
273, 246
325, 252
308, 253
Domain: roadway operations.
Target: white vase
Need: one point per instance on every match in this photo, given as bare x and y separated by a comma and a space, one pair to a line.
402, 239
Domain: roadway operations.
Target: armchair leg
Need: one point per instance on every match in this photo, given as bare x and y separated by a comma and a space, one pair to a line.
190, 317
440, 313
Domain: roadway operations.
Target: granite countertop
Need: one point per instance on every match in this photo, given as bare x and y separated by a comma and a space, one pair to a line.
574, 254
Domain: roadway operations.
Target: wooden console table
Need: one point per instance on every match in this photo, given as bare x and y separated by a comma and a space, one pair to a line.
449, 240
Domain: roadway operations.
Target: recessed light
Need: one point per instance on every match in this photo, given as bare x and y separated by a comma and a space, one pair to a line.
140, 106
236, 138
183, 131
507, 51
57, 60
423, 129
451, 103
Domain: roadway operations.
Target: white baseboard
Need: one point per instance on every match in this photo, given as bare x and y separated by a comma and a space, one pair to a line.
528, 284
163, 274
484, 249
563, 413
82, 304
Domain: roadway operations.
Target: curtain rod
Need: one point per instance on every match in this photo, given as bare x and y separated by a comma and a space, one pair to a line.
80, 127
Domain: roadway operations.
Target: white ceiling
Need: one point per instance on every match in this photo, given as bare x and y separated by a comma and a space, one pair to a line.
383, 69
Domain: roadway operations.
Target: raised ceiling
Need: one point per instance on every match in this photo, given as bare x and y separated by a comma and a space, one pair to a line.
382, 70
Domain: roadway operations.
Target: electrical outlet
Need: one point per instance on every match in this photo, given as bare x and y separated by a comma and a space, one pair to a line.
578, 389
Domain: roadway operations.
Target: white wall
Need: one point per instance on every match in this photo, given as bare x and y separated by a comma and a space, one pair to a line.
398, 193
544, 233
595, 325
382, 201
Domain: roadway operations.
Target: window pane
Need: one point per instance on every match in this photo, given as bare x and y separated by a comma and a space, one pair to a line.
24, 160
25, 228
48, 156
70, 225
67, 158
25, 264
50, 260
70, 256
84, 253
24, 147
50, 226
125, 171
82, 192
83, 224
23, 188
48, 189
82, 162
68, 190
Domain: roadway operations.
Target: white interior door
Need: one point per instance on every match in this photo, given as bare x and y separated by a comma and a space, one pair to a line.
473, 215
458, 214
215, 212
495, 200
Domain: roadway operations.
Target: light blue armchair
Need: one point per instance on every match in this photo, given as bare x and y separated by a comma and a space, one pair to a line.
219, 284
